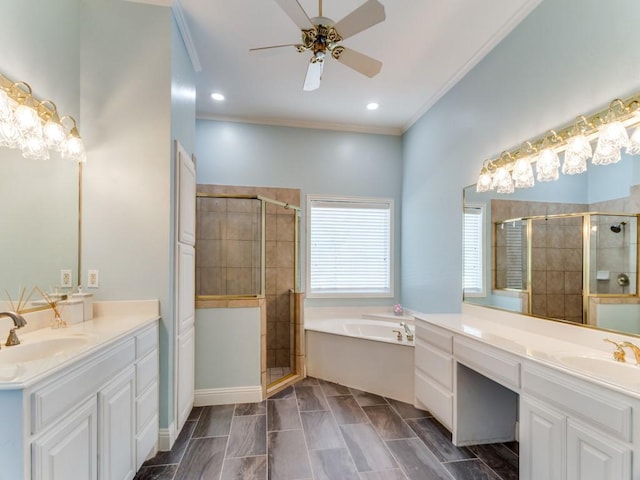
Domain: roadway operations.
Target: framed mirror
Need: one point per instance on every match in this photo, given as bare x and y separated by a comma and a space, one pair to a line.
565, 250
39, 214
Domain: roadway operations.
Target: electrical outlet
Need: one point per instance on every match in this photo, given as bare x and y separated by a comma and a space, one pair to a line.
93, 279
65, 278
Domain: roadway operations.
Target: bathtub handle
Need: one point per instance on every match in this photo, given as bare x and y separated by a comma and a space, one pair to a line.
398, 335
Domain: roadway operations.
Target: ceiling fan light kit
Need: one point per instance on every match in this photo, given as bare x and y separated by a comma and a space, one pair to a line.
325, 36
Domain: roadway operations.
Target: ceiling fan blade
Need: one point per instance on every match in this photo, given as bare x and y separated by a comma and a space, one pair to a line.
358, 61
260, 49
363, 17
314, 74
296, 13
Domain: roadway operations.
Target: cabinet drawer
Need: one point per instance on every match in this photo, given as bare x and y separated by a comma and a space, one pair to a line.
488, 361
146, 406
65, 390
437, 400
434, 363
146, 441
436, 336
146, 371
146, 341
598, 407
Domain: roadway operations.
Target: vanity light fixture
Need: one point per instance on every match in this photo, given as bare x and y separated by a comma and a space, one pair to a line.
34, 125
607, 127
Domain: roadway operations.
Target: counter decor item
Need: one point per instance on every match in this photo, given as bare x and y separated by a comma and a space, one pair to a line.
398, 310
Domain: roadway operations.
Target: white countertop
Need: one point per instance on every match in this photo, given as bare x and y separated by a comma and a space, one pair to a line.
571, 349
113, 321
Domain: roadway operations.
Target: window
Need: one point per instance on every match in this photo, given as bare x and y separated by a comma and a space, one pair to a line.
473, 246
350, 247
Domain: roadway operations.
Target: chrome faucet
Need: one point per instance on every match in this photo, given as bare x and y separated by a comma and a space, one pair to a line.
18, 322
407, 331
634, 348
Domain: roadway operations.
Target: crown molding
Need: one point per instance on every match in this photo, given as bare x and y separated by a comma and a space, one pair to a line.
340, 127
484, 49
185, 33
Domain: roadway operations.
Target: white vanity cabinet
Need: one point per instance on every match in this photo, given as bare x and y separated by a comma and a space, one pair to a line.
93, 419
571, 429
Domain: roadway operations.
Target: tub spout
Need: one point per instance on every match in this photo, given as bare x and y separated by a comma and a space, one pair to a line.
407, 331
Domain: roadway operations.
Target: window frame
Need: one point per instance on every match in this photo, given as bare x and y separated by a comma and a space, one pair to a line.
482, 291
311, 198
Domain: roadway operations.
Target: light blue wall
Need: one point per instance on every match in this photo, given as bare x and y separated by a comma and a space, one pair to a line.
568, 57
316, 161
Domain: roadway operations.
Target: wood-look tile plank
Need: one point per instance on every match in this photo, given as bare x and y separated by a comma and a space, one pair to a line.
307, 382
333, 464
246, 468
203, 459
158, 472
288, 456
499, 458
283, 415
330, 388
321, 430
346, 410
248, 436
471, 470
259, 408
407, 411
513, 446
177, 451
417, 462
438, 439
195, 413
288, 392
310, 399
388, 423
395, 474
367, 450
215, 421
366, 399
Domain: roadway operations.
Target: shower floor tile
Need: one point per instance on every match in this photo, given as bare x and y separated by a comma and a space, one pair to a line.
322, 430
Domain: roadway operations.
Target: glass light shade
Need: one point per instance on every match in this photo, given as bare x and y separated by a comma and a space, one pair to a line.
547, 165
522, 173
576, 154
502, 181
9, 135
485, 183
34, 147
606, 154
74, 149
27, 120
7, 106
614, 133
634, 143
54, 135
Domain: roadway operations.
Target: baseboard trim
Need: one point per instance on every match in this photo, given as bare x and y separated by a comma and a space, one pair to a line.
167, 437
223, 396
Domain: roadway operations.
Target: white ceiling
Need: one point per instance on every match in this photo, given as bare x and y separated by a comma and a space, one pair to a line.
425, 48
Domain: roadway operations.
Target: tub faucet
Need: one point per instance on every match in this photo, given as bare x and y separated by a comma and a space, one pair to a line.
18, 322
407, 331
634, 348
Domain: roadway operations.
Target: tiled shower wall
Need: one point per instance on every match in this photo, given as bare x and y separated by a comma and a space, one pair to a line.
228, 256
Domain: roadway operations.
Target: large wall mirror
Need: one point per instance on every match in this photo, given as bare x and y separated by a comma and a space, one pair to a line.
40, 223
564, 250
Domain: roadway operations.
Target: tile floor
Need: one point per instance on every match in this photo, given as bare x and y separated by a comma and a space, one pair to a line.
276, 373
320, 430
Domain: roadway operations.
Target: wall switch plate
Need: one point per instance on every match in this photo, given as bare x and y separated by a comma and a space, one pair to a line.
65, 278
93, 279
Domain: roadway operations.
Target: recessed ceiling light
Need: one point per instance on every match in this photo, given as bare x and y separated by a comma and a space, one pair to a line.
218, 97
372, 106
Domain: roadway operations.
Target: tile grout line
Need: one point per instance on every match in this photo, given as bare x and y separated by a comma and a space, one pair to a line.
226, 447
304, 437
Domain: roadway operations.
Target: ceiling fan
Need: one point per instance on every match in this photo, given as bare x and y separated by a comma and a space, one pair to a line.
321, 35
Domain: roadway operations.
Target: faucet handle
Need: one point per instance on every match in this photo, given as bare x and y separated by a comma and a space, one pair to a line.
398, 335
618, 354
12, 339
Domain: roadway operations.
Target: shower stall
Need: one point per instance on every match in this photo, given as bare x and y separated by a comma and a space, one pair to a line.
247, 255
558, 262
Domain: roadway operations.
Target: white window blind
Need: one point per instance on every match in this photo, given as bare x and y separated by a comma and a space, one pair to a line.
350, 247
516, 270
473, 246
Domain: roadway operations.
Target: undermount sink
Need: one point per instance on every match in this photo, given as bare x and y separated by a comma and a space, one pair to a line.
602, 367
37, 350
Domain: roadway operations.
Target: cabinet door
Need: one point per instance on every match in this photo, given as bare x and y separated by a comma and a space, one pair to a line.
185, 196
116, 405
542, 441
185, 374
593, 456
68, 450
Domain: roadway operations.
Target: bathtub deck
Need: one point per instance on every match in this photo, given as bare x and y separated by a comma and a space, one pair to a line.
323, 430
